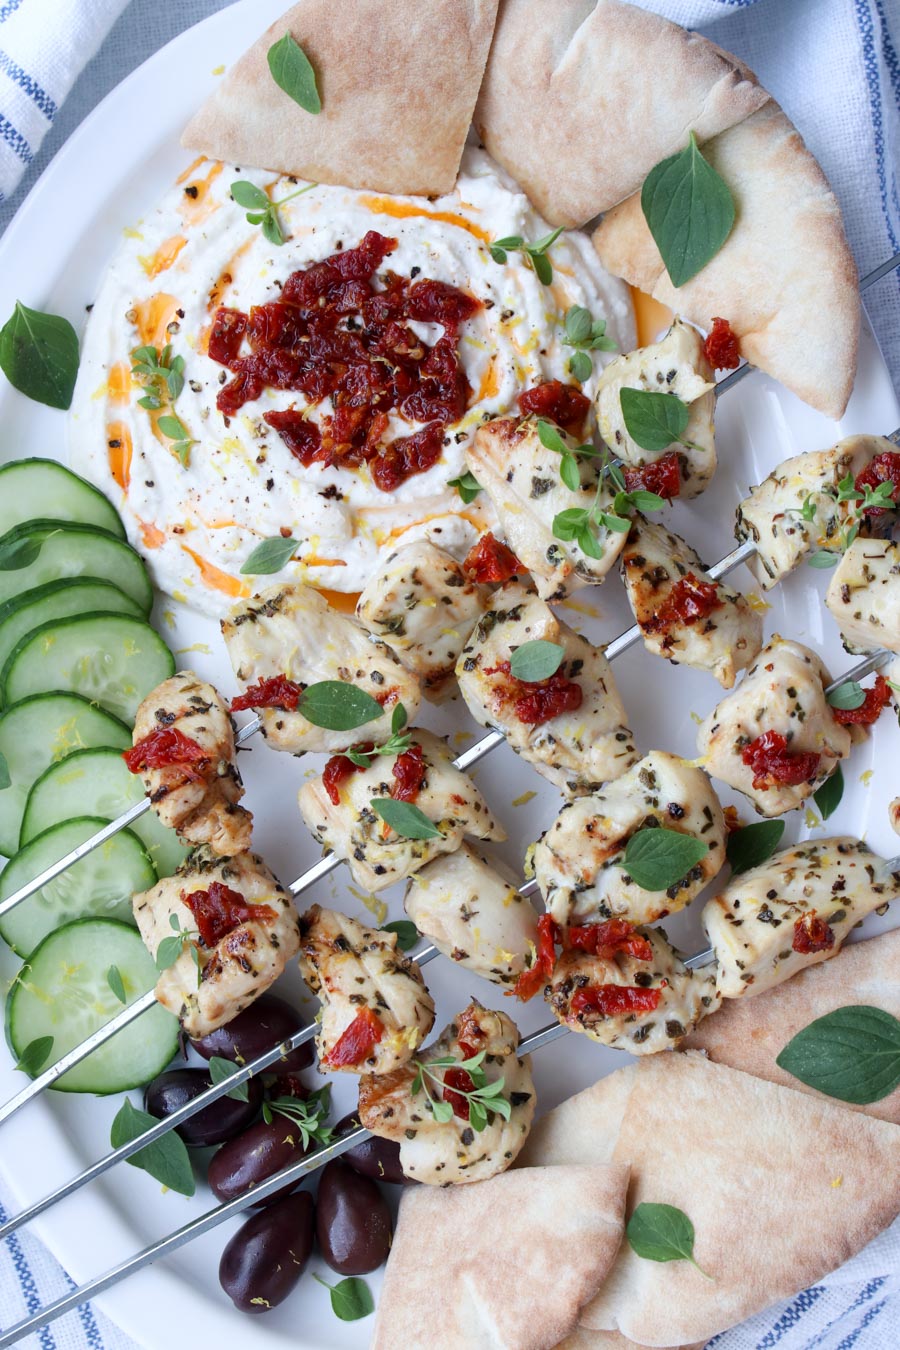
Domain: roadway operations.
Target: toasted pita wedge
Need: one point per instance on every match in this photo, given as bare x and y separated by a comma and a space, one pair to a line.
786, 258
507, 1263
398, 84
781, 1189
749, 1034
580, 108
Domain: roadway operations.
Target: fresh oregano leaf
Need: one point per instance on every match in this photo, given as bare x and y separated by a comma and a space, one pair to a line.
661, 1233
536, 660
39, 355
166, 1158
291, 70
467, 485
654, 421
270, 556
338, 706
116, 983
689, 211
578, 325
18, 553
851, 1054
848, 695
351, 1299
823, 558
657, 858
35, 1056
550, 437
251, 197
407, 933
828, 797
581, 367
220, 1069
753, 844
405, 819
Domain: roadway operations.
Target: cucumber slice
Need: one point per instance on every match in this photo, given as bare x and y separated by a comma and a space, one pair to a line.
76, 551
36, 733
59, 600
40, 487
110, 659
100, 885
64, 992
98, 783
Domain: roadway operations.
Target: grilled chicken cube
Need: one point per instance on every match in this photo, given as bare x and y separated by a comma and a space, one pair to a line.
420, 602
864, 595
675, 365
683, 614
452, 1152
291, 633
772, 515
640, 1003
775, 738
570, 726
473, 913
521, 477
376, 1011
341, 816
793, 911
241, 927
197, 796
579, 863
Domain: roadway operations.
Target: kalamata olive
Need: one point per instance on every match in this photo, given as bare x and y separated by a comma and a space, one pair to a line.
257, 1029
254, 1156
353, 1222
215, 1123
375, 1158
264, 1260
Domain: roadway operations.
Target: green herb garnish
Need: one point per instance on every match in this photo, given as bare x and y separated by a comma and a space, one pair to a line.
851, 1054
537, 660
405, 819
116, 983
657, 858
689, 211
260, 208
178, 434
483, 1096
535, 255
467, 485
170, 949
338, 706
753, 844
292, 71
351, 1299
828, 797
220, 1069
397, 743
662, 1233
654, 421
407, 933
39, 355
166, 1158
848, 695
160, 373
586, 334
270, 555
35, 1056
308, 1115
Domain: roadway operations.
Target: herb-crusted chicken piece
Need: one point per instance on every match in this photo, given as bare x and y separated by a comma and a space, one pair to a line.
683, 614
793, 911
184, 751
801, 505
775, 737
288, 638
641, 998
579, 863
421, 603
571, 726
472, 912
675, 365
376, 1010
337, 807
522, 478
864, 595
451, 1150
232, 929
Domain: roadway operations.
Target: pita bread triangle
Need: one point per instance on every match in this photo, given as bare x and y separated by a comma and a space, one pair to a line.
398, 84
505, 1265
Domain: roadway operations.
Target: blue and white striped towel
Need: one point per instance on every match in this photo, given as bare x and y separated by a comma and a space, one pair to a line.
833, 65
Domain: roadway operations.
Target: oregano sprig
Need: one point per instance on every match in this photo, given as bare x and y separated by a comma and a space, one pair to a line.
586, 334
398, 741
860, 502
467, 485
483, 1097
534, 255
260, 208
170, 949
161, 375
309, 1115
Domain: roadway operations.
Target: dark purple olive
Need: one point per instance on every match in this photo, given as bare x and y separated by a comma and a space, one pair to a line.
353, 1222
213, 1124
264, 1260
375, 1158
254, 1156
257, 1029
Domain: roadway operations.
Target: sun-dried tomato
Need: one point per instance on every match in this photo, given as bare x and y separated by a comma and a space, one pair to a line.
405, 456
435, 302
165, 746
227, 334
876, 700
489, 562
338, 769
772, 762
275, 692
613, 1000
219, 910
409, 772
662, 476
560, 403
605, 939
548, 699
531, 981
356, 1043
721, 346
689, 601
460, 1079
884, 468
812, 934
301, 436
